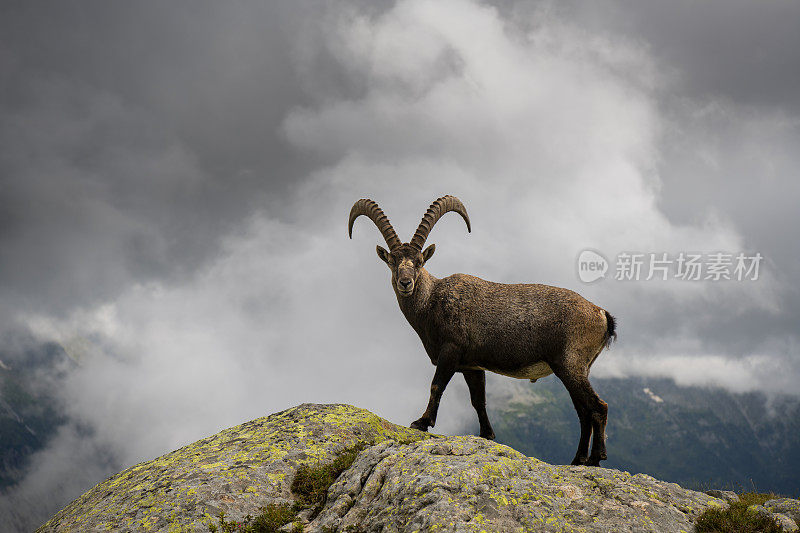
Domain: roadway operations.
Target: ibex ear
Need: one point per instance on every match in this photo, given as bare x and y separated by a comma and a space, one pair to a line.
383, 254
428, 253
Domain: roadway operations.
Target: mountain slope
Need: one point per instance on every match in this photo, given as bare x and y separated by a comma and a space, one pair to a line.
29, 414
697, 437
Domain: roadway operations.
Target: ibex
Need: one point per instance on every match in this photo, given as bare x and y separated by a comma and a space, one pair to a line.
470, 325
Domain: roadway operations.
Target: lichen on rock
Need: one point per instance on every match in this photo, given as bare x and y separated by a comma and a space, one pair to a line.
787, 506
470, 484
405, 480
237, 471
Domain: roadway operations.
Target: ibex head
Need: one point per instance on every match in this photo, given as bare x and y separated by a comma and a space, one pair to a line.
405, 260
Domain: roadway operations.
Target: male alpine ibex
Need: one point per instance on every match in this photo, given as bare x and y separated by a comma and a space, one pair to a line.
470, 325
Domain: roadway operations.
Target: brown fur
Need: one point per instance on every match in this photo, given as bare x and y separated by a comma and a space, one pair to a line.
470, 325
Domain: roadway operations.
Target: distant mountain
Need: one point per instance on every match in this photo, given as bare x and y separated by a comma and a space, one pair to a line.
28, 412
696, 437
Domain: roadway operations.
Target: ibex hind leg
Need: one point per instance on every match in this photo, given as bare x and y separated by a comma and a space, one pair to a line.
585, 419
592, 413
599, 419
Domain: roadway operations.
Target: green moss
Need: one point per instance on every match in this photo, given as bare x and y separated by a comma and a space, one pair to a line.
738, 518
272, 518
311, 483
310, 486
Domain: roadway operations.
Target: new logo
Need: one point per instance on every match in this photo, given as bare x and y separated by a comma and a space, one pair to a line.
591, 266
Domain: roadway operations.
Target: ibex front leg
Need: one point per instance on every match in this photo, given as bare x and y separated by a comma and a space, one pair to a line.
446, 365
476, 381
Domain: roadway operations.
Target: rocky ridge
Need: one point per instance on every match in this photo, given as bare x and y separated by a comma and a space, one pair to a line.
405, 480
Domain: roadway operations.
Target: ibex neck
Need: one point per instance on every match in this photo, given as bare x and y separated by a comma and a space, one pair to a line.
419, 301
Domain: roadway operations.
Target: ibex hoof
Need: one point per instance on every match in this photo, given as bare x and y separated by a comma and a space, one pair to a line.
420, 424
487, 436
594, 460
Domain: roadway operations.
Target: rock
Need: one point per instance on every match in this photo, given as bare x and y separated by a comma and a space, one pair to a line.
728, 495
236, 471
760, 509
471, 484
405, 480
783, 520
787, 506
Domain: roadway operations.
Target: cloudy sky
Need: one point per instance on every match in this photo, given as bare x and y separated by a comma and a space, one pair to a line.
175, 181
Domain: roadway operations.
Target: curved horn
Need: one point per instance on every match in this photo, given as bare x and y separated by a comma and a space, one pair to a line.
367, 207
435, 211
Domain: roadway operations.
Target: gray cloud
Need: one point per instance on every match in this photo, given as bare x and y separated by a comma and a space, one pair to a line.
174, 200
740, 50
133, 138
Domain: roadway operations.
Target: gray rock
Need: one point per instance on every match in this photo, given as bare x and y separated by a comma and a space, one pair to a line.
471, 484
238, 471
405, 480
788, 506
763, 511
785, 522
727, 495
